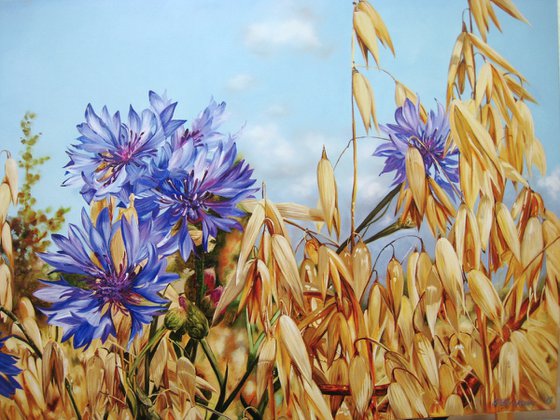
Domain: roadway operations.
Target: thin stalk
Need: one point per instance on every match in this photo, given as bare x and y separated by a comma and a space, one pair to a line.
213, 362
249, 332
372, 214
354, 155
252, 364
148, 359
68, 387
151, 343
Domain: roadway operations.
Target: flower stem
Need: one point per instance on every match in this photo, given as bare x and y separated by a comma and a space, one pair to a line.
148, 359
213, 362
154, 340
68, 387
252, 364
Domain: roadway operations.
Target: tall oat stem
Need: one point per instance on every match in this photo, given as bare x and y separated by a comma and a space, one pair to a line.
354, 155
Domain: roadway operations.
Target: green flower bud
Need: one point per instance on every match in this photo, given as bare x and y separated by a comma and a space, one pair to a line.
175, 319
197, 325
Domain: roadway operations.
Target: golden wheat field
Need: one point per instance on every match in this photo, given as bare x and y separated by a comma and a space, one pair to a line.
184, 292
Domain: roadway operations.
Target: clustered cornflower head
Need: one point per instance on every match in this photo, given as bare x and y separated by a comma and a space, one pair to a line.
179, 180
428, 137
105, 268
8, 370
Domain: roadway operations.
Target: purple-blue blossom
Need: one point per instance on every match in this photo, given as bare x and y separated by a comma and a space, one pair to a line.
105, 267
195, 187
8, 371
428, 137
111, 155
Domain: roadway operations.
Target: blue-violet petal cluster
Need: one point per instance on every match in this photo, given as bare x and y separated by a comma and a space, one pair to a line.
105, 268
196, 188
428, 137
8, 370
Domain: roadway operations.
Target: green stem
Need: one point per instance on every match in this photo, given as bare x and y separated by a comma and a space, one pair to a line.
249, 332
213, 362
151, 343
392, 228
148, 359
379, 207
199, 269
68, 387
252, 364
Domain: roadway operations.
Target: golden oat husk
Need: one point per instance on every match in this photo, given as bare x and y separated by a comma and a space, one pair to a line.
532, 247
299, 212
479, 11
366, 33
361, 268
509, 7
360, 383
431, 300
289, 336
11, 171
450, 272
405, 323
485, 296
484, 218
286, 261
424, 353
395, 285
447, 380
454, 65
380, 28
490, 53
454, 406
483, 84
399, 402
5, 198
416, 175
338, 374
25, 308
530, 356
6, 237
508, 230
413, 391
363, 95
6, 296
327, 189
376, 312
186, 375
508, 371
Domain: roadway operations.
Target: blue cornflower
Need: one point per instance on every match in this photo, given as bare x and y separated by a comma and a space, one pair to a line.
112, 155
8, 370
105, 268
196, 187
430, 140
204, 128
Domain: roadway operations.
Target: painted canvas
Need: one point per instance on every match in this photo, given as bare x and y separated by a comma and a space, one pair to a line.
279, 209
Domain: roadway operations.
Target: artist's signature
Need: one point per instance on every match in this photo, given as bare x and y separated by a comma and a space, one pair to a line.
518, 403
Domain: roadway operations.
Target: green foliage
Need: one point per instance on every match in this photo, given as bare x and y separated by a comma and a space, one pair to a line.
31, 227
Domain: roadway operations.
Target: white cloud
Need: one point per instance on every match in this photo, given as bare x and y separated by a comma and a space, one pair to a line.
277, 110
240, 82
287, 165
551, 183
294, 32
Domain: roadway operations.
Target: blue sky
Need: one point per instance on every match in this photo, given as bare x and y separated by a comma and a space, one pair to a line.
282, 66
